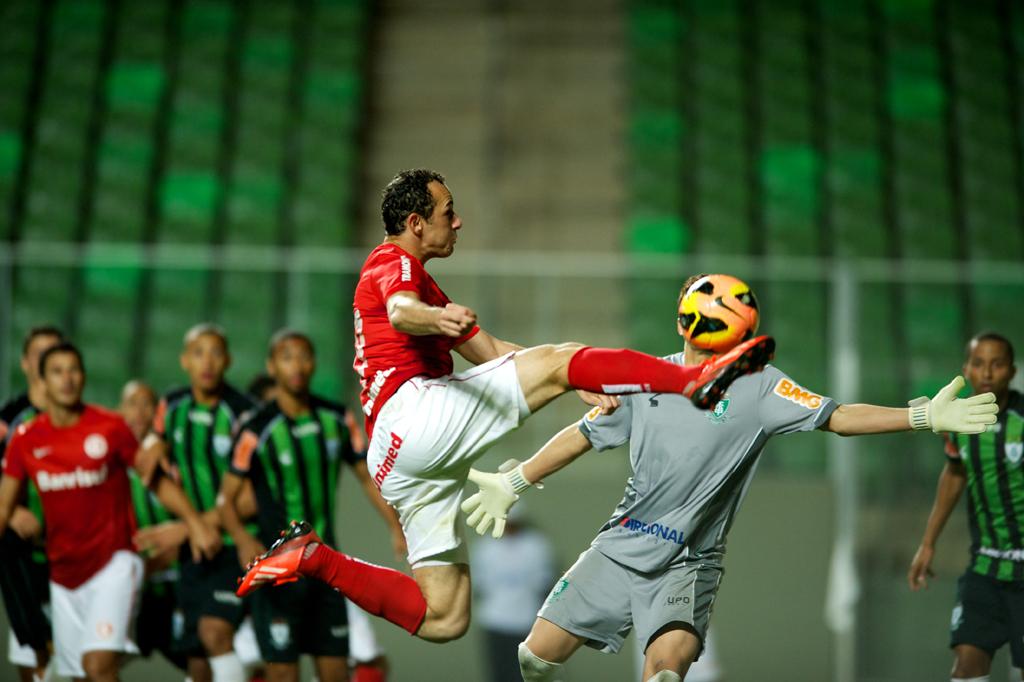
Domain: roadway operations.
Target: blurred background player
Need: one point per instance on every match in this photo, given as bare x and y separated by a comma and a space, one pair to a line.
197, 423
77, 455
367, 661
24, 575
656, 565
155, 629
291, 448
989, 609
160, 536
511, 576
432, 425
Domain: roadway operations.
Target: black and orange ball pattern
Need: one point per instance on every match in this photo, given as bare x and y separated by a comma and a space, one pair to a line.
717, 312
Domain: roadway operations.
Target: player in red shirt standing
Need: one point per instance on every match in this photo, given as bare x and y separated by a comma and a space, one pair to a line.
77, 456
428, 426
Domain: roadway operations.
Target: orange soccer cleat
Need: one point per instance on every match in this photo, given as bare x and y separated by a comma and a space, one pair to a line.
280, 563
720, 371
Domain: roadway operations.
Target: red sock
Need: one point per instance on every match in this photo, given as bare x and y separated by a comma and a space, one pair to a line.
620, 370
381, 591
367, 672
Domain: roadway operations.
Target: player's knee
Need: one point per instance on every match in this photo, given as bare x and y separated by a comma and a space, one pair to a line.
216, 635
100, 665
446, 629
665, 676
534, 668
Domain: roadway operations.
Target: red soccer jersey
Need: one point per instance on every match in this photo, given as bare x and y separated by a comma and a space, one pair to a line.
80, 472
385, 357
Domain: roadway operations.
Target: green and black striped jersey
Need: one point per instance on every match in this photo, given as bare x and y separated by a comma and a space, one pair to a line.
995, 492
199, 438
149, 512
14, 413
293, 463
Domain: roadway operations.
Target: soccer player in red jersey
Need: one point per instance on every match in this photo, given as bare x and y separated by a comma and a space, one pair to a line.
428, 426
77, 456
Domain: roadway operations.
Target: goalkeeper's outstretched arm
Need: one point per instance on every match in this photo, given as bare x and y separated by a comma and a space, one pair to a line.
499, 491
557, 453
943, 413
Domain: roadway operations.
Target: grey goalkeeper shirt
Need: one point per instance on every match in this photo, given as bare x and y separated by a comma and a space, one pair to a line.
692, 468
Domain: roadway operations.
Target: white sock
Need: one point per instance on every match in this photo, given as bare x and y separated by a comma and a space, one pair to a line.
535, 668
227, 668
665, 676
983, 678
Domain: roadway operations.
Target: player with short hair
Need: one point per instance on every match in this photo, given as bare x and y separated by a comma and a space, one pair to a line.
428, 426
198, 422
24, 575
292, 448
989, 609
77, 455
157, 604
657, 563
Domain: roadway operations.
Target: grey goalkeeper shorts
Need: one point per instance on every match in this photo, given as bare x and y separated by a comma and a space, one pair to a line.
602, 600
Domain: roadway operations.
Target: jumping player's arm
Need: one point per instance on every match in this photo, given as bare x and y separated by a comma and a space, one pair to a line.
943, 413
482, 347
409, 315
952, 482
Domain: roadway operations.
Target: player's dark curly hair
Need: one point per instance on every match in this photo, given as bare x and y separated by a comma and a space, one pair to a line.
406, 194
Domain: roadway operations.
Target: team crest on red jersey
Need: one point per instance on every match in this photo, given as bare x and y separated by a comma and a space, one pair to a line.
95, 446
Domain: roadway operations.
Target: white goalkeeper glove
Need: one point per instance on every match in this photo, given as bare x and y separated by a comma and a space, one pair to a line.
946, 412
498, 492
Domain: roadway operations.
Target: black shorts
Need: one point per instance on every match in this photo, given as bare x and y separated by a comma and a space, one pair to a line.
988, 614
304, 617
25, 585
154, 628
208, 589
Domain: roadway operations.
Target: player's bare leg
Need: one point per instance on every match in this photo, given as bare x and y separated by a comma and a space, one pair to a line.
447, 592
282, 672
101, 666
331, 668
545, 649
671, 651
199, 669
970, 662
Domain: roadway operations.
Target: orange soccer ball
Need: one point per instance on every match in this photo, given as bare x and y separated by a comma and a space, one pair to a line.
717, 312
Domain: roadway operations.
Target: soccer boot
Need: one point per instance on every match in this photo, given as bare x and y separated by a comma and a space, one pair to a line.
720, 371
280, 563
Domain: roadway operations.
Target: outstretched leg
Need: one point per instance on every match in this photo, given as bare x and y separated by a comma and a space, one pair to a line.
546, 372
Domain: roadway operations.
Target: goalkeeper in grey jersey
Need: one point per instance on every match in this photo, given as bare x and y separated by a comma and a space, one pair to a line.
656, 564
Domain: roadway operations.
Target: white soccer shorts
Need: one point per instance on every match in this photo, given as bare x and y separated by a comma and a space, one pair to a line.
98, 615
426, 438
246, 646
21, 655
362, 641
